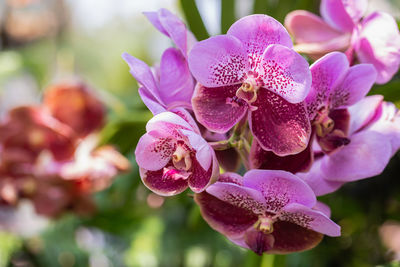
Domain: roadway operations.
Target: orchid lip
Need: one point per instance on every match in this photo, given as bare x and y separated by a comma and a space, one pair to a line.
323, 123
181, 157
248, 90
265, 224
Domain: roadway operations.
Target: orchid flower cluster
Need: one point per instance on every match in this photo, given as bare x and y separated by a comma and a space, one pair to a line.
249, 97
49, 153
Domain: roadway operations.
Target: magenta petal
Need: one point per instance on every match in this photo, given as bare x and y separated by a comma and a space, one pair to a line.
155, 20
286, 73
279, 188
218, 108
317, 180
356, 84
258, 242
261, 159
231, 177
322, 207
204, 153
279, 126
200, 178
218, 61
167, 122
379, 44
154, 181
310, 219
363, 112
142, 73
224, 217
150, 101
367, 155
176, 81
154, 150
309, 28
327, 72
335, 14
257, 32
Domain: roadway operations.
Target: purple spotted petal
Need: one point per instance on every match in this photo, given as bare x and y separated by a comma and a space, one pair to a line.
327, 73
257, 32
317, 180
150, 101
231, 177
162, 186
142, 73
176, 82
310, 219
261, 159
367, 155
356, 84
286, 73
363, 112
279, 126
335, 14
154, 150
239, 196
279, 188
224, 217
379, 44
167, 122
290, 237
311, 31
218, 61
218, 108
200, 178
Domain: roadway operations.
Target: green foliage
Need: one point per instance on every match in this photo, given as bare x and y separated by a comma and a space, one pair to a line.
194, 19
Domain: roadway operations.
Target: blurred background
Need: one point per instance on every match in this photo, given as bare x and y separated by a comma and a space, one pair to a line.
42, 41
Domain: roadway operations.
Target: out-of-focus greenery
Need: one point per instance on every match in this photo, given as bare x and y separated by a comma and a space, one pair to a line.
125, 230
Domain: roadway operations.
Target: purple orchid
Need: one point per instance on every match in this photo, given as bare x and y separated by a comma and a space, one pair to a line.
252, 69
335, 86
172, 156
266, 211
171, 84
374, 39
374, 133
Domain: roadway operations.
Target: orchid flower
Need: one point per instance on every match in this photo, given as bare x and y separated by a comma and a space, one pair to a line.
374, 39
172, 156
252, 69
266, 211
171, 85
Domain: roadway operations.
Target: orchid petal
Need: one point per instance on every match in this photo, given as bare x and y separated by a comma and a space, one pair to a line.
322, 207
279, 188
379, 44
201, 178
286, 73
326, 72
218, 61
218, 109
257, 32
231, 177
167, 122
367, 155
310, 219
278, 125
335, 14
226, 218
176, 82
150, 101
154, 181
204, 152
363, 112
356, 84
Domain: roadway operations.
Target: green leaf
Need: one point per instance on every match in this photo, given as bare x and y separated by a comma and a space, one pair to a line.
390, 91
227, 14
194, 20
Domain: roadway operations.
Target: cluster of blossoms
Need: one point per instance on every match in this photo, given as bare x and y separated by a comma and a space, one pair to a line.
247, 96
49, 153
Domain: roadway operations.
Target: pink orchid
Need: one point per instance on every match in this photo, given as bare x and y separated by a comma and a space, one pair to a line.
172, 156
266, 211
171, 84
252, 69
374, 39
335, 86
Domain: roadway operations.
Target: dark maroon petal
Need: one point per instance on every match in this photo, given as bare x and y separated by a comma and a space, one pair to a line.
258, 241
279, 126
165, 187
228, 159
261, 159
218, 108
224, 217
200, 178
290, 237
